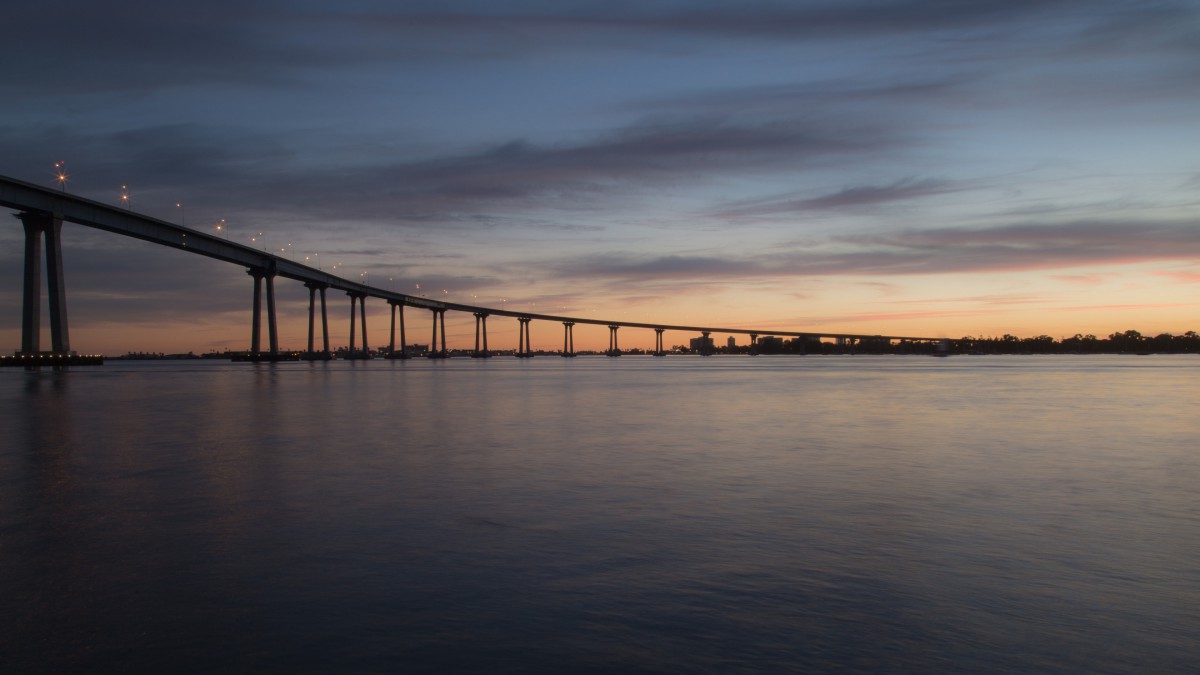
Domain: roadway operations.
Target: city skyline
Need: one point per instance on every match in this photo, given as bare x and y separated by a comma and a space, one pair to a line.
893, 168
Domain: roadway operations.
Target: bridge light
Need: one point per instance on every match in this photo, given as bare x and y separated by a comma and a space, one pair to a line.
60, 174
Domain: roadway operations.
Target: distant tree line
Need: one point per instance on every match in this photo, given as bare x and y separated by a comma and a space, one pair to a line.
1127, 342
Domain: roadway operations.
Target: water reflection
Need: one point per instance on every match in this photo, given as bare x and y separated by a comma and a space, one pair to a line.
886, 514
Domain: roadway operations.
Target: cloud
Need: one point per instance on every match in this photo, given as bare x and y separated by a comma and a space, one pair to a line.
281, 44
1181, 276
1005, 248
251, 171
871, 317
1128, 307
849, 198
994, 299
1080, 279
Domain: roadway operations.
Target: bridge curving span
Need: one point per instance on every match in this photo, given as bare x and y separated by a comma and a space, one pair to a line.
43, 210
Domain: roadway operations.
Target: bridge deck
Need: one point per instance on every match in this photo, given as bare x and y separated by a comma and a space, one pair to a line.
27, 197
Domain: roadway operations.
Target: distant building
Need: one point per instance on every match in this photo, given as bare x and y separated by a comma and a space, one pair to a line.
701, 344
731, 343
770, 344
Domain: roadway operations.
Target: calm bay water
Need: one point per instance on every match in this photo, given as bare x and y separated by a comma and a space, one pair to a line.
681, 514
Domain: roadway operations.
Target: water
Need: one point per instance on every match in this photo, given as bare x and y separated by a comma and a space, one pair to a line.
681, 514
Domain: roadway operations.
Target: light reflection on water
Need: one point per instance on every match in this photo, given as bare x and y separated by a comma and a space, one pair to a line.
893, 514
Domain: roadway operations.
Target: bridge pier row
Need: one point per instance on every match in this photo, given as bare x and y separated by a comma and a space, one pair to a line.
658, 342
434, 352
481, 330
613, 349
358, 299
524, 344
312, 354
39, 226
568, 338
397, 307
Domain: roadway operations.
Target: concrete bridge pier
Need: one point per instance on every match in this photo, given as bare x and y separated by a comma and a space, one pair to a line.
312, 354
358, 299
256, 312
753, 344
524, 346
658, 342
272, 327
613, 349
260, 274
481, 330
568, 338
706, 346
434, 352
397, 307
40, 226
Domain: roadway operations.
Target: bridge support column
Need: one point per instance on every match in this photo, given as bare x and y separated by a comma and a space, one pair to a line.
362, 316
403, 341
256, 317
706, 347
481, 331
324, 323
358, 300
59, 340
397, 307
613, 349
256, 353
31, 307
312, 354
38, 226
753, 344
568, 338
272, 326
312, 315
525, 346
433, 341
353, 323
658, 342
434, 352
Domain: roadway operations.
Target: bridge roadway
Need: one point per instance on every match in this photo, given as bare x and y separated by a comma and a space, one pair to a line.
33, 202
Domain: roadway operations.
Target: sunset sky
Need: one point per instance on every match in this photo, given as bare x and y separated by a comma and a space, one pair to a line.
923, 168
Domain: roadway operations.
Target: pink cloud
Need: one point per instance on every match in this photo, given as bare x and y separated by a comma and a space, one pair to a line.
1149, 305
1081, 279
1183, 276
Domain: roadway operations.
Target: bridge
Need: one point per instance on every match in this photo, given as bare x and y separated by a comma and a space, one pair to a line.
42, 211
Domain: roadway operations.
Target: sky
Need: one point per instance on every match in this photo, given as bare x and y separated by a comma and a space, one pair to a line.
910, 167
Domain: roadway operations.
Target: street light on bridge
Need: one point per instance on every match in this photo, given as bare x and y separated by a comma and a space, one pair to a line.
60, 174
